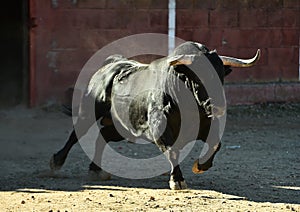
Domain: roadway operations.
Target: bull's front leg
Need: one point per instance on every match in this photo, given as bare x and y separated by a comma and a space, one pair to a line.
200, 168
166, 143
177, 181
213, 146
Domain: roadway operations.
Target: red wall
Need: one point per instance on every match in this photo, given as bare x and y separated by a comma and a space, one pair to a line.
66, 33
238, 28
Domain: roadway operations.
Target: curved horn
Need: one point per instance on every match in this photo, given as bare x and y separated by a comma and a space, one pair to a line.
235, 62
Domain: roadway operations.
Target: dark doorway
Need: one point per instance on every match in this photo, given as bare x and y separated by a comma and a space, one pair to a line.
13, 53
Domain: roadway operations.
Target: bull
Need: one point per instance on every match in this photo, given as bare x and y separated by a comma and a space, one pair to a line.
153, 114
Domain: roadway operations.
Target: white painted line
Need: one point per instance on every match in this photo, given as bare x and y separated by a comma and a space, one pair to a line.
172, 25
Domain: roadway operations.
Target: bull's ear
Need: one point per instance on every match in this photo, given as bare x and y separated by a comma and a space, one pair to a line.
180, 60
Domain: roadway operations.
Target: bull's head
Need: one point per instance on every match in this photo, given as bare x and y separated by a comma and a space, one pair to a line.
185, 53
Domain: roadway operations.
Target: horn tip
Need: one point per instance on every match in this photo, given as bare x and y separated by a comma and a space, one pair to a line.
258, 54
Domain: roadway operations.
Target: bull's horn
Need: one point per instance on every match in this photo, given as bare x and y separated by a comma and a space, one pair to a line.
181, 60
235, 62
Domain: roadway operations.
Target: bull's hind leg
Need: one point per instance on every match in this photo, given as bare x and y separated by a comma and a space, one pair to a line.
109, 133
85, 120
58, 159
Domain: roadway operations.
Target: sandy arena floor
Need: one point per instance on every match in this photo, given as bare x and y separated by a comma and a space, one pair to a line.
257, 169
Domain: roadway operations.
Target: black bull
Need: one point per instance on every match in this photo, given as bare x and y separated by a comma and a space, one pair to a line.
142, 100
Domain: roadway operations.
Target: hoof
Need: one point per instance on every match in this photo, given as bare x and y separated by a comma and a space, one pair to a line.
99, 175
199, 169
54, 165
178, 185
